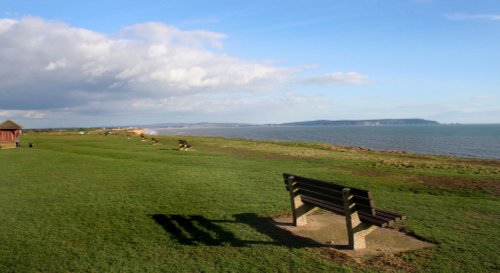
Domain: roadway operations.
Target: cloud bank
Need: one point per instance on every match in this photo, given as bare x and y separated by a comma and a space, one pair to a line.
51, 65
147, 72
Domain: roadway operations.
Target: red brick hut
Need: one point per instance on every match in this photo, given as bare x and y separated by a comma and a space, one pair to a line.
9, 134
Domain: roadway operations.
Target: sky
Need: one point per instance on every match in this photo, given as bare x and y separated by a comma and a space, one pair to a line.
118, 63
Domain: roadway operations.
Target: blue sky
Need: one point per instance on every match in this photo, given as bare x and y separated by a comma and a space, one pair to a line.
141, 62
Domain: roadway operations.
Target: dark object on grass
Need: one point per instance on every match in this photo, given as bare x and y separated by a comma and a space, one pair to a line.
356, 204
30, 145
18, 144
184, 145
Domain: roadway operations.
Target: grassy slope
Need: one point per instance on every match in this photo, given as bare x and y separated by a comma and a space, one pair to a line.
86, 203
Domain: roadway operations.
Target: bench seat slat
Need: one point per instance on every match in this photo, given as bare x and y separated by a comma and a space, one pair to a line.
372, 220
327, 185
323, 205
363, 202
363, 216
337, 187
389, 221
336, 193
357, 199
323, 191
390, 214
334, 200
324, 197
333, 194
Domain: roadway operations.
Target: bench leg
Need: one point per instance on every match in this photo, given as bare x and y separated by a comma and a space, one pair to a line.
356, 230
357, 235
299, 209
300, 214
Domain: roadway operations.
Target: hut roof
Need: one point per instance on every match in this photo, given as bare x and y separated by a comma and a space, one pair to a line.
10, 125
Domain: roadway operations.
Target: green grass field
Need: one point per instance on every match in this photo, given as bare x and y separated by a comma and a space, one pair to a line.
95, 203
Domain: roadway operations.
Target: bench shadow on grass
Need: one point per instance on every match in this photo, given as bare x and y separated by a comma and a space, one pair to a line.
196, 230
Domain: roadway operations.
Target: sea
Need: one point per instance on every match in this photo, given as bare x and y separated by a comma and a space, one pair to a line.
471, 141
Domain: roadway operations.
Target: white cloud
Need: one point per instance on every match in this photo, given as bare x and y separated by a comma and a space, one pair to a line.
55, 64
33, 114
338, 78
53, 75
51, 65
6, 24
155, 32
22, 114
467, 17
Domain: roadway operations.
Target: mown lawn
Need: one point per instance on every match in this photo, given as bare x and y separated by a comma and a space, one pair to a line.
95, 203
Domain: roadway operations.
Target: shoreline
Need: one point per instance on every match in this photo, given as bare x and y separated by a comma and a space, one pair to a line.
462, 142
345, 147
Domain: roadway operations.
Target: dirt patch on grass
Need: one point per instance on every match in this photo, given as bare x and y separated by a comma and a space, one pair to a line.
462, 183
390, 263
414, 261
337, 257
410, 261
384, 251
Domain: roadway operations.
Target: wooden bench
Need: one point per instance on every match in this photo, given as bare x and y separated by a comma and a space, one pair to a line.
184, 145
357, 205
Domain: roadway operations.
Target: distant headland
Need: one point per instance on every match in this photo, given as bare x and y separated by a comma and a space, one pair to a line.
371, 122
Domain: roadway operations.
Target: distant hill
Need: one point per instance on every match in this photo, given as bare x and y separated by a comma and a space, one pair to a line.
372, 122
198, 125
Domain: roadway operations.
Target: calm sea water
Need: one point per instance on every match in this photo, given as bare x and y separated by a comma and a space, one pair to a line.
477, 141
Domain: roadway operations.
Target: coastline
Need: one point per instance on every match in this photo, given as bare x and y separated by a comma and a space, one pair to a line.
463, 141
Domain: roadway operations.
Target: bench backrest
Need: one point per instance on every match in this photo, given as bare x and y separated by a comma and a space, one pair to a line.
328, 195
